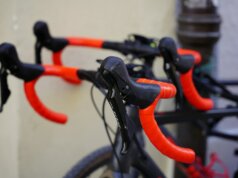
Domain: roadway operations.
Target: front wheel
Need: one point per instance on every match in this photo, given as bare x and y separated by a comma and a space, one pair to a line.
98, 164
94, 164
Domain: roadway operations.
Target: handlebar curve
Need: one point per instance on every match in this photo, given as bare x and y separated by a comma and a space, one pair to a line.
39, 107
34, 100
189, 89
185, 67
31, 73
152, 130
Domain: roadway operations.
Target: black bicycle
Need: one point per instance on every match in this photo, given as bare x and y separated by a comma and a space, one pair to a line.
122, 92
145, 49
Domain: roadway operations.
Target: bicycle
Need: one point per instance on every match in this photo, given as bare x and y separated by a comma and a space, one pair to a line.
138, 48
141, 48
106, 77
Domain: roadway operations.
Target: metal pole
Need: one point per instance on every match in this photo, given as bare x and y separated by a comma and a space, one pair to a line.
198, 28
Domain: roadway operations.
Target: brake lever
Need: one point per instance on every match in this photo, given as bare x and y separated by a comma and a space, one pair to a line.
116, 102
170, 71
168, 50
5, 92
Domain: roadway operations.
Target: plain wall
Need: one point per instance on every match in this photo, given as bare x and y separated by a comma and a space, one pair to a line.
33, 147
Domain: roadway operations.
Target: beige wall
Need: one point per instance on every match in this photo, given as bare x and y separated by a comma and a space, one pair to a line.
33, 147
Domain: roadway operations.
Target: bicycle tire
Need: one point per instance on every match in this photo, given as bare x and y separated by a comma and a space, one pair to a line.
92, 162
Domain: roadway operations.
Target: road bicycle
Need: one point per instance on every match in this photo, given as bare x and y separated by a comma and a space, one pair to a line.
114, 81
144, 48
139, 48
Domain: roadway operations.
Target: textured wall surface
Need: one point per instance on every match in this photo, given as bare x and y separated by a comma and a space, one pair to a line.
33, 147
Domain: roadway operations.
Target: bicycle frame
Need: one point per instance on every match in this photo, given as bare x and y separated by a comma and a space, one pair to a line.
136, 152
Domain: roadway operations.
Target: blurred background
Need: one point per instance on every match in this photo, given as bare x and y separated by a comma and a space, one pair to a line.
33, 147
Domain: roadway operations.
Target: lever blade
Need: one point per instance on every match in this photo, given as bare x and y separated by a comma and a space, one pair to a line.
115, 100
